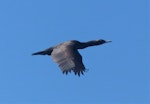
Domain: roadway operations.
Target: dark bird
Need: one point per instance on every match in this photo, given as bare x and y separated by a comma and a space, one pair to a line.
67, 57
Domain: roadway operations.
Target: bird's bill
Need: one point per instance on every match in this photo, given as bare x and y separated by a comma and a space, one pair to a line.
107, 41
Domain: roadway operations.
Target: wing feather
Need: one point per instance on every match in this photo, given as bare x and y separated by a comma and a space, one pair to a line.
68, 59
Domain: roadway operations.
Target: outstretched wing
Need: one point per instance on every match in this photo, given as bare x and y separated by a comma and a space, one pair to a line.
68, 59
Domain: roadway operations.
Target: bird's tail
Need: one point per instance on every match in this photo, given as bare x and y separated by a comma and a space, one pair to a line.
45, 52
40, 53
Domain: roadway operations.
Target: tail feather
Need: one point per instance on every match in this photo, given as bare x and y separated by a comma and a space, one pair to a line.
40, 53
45, 52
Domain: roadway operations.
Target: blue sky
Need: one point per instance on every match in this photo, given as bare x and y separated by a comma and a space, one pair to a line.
118, 71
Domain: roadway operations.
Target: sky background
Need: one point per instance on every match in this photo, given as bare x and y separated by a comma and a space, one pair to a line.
118, 71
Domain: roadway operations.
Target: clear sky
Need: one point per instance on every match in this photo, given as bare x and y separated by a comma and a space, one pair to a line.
118, 71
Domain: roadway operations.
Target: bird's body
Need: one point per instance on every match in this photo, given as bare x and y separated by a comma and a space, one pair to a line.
67, 57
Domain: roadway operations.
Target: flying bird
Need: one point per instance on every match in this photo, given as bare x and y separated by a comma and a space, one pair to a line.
67, 57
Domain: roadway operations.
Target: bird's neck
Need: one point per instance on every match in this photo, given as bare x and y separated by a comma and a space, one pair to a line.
88, 44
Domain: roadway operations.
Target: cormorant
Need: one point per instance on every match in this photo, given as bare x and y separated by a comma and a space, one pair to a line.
67, 57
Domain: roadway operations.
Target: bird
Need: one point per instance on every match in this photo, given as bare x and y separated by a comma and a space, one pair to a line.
67, 56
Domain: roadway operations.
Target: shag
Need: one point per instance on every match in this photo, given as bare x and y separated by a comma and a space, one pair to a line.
67, 57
